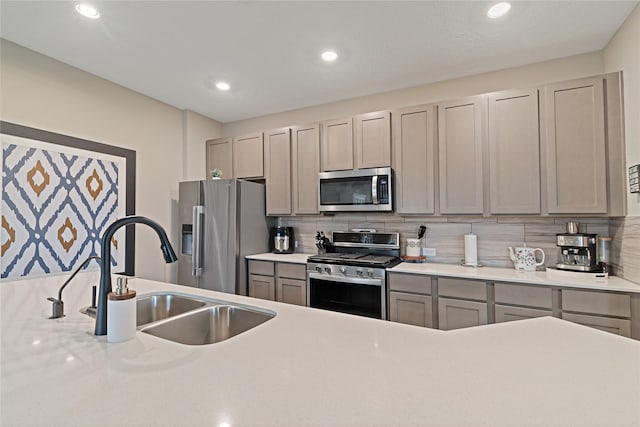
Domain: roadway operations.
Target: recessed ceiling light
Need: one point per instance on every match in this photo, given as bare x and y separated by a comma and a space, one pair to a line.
498, 10
87, 10
329, 56
223, 86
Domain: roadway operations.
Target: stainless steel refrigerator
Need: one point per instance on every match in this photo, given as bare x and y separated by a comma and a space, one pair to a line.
221, 222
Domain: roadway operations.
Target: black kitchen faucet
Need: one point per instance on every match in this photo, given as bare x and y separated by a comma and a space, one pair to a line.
105, 262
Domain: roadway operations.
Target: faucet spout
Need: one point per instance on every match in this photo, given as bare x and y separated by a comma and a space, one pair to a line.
105, 262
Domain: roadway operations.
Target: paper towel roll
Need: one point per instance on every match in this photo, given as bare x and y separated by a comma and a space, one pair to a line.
470, 249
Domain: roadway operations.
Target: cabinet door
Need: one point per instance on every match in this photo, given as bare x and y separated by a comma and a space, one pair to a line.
262, 287
337, 145
607, 324
219, 155
411, 309
373, 140
574, 146
461, 135
514, 152
456, 314
291, 291
278, 171
248, 156
507, 313
413, 145
306, 166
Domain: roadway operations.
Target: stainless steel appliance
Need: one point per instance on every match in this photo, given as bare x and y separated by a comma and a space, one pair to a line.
577, 250
282, 240
353, 278
356, 190
222, 221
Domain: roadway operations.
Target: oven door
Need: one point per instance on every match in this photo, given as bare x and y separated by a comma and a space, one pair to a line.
351, 295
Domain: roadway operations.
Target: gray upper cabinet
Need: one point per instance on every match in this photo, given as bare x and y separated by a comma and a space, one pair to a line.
337, 144
306, 166
461, 149
219, 155
278, 171
373, 140
514, 152
414, 159
248, 156
573, 144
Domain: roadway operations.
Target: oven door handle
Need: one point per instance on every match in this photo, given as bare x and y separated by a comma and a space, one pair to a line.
346, 280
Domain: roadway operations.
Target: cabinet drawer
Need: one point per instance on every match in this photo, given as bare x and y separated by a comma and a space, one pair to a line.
506, 313
264, 268
458, 288
531, 296
607, 324
413, 283
292, 271
596, 302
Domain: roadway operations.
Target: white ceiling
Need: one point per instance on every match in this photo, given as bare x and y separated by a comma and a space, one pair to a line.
175, 51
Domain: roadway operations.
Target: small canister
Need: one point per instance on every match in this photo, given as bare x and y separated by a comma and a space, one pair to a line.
121, 312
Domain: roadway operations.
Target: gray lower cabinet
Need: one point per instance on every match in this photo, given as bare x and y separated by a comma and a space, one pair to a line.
410, 299
412, 309
609, 312
517, 302
261, 280
456, 314
291, 283
461, 303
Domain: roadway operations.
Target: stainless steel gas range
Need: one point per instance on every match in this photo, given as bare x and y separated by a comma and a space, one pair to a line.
352, 278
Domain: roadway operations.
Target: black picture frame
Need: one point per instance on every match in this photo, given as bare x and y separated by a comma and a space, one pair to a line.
14, 129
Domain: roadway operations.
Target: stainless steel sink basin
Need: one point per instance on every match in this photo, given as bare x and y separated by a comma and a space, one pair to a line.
209, 325
151, 308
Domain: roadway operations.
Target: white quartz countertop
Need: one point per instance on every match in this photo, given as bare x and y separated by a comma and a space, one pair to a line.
292, 258
545, 278
307, 367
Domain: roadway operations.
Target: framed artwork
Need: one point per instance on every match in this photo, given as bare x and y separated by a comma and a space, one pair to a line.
59, 193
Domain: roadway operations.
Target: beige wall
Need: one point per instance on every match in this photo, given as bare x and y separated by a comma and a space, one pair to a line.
40, 92
521, 77
623, 53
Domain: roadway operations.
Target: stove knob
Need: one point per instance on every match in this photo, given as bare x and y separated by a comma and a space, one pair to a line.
359, 272
327, 270
370, 272
343, 270
318, 269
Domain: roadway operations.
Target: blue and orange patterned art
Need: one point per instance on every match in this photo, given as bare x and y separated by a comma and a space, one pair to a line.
55, 203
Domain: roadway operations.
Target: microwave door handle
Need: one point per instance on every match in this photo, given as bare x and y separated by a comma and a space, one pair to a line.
374, 190
198, 241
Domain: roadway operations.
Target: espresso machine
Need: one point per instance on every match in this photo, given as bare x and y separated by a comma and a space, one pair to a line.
577, 250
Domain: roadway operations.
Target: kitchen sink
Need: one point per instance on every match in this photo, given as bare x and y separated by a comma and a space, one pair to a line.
209, 325
151, 308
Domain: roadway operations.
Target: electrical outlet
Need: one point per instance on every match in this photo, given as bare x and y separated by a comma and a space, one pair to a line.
429, 251
296, 244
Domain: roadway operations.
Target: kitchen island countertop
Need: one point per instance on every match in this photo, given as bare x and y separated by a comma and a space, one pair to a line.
307, 367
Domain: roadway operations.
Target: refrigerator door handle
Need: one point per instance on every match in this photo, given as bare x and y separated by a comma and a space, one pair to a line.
197, 257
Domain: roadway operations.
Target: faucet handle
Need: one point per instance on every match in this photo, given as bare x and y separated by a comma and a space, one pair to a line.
57, 309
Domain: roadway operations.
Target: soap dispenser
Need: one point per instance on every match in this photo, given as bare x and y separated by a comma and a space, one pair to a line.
121, 312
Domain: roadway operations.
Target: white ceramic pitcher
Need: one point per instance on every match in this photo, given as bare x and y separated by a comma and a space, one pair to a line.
524, 258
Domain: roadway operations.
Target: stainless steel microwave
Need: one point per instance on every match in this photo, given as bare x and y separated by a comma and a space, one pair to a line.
356, 190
